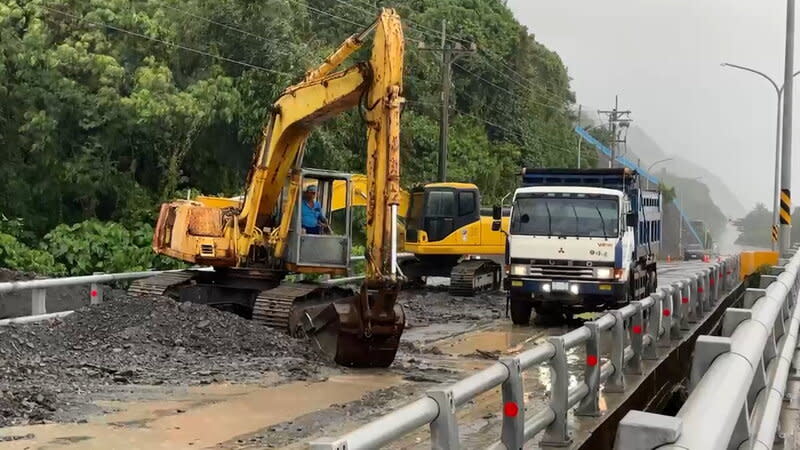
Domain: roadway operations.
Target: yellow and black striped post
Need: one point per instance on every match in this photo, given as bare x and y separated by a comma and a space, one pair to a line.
774, 233
786, 207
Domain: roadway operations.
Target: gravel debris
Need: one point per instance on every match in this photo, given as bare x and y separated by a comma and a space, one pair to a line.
137, 340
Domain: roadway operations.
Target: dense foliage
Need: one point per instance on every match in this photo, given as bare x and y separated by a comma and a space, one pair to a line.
756, 227
101, 120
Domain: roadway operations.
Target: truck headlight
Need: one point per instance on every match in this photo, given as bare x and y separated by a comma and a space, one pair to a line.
519, 270
603, 272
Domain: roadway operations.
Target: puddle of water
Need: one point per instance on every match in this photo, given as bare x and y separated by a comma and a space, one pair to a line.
207, 416
508, 340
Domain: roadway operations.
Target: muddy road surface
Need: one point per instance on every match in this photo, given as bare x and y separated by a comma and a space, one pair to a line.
149, 371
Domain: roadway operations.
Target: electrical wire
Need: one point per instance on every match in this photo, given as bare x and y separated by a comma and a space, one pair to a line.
165, 42
502, 89
229, 27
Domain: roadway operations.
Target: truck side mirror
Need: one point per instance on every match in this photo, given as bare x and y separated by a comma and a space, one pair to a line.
495, 225
497, 212
630, 220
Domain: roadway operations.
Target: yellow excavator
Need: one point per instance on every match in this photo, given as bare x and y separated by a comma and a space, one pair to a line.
254, 242
451, 236
448, 233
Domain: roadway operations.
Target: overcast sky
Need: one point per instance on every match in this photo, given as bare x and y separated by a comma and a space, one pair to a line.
663, 58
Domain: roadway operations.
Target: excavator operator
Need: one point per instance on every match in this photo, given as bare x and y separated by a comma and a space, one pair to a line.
313, 219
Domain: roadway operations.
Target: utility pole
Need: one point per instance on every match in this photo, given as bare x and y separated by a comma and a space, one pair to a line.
617, 121
786, 153
450, 53
580, 138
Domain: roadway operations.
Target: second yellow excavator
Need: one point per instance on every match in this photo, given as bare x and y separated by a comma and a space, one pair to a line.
254, 242
446, 232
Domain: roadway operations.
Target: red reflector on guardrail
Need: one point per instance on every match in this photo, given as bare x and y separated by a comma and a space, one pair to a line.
511, 409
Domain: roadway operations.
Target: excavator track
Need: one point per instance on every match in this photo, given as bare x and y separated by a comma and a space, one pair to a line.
274, 307
159, 284
472, 276
284, 306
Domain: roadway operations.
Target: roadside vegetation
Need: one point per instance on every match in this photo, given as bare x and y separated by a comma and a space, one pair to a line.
103, 115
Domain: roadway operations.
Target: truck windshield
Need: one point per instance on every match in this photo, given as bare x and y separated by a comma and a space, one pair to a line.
566, 215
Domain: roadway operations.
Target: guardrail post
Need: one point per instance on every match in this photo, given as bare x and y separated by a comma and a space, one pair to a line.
96, 292
666, 315
732, 318
616, 382
741, 431
556, 434
695, 310
637, 336
702, 291
650, 352
766, 280
751, 295
759, 383
513, 433
444, 429
642, 430
590, 405
771, 347
706, 349
677, 312
713, 285
38, 297
686, 306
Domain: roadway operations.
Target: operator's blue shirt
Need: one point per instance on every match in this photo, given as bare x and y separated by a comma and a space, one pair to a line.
312, 214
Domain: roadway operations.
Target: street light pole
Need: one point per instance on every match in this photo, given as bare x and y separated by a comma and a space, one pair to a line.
776, 193
786, 155
658, 162
680, 201
653, 165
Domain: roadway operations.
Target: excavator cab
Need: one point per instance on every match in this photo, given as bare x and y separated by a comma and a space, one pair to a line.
440, 209
330, 248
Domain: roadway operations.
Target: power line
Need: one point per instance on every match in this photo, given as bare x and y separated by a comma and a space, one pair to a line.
232, 28
168, 43
517, 77
500, 88
326, 13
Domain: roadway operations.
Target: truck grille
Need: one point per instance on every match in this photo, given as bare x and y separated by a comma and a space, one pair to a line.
554, 271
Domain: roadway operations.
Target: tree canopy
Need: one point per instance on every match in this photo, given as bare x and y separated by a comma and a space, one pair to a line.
108, 107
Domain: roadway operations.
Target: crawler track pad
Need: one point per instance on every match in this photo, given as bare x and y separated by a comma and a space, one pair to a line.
339, 335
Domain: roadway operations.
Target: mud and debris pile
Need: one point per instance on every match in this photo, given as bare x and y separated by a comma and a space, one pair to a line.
137, 340
438, 306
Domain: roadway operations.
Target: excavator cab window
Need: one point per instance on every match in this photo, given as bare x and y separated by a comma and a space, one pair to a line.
329, 245
441, 210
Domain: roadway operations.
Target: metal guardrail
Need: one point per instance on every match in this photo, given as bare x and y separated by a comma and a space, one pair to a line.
738, 380
39, 288
637, 331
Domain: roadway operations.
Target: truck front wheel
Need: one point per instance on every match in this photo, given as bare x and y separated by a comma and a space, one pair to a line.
520, 311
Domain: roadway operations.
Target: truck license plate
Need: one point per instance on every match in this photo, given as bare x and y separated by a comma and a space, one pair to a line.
560, 286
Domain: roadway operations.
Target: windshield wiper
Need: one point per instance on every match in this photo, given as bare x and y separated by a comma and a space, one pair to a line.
549, 220
577, 226
603, 221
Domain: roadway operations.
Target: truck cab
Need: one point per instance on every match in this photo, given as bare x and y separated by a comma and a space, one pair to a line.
580, 241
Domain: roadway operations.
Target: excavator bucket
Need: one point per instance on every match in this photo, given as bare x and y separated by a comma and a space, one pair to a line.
360, 331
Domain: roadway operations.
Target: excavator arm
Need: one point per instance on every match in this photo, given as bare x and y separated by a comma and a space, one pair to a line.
365, 328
